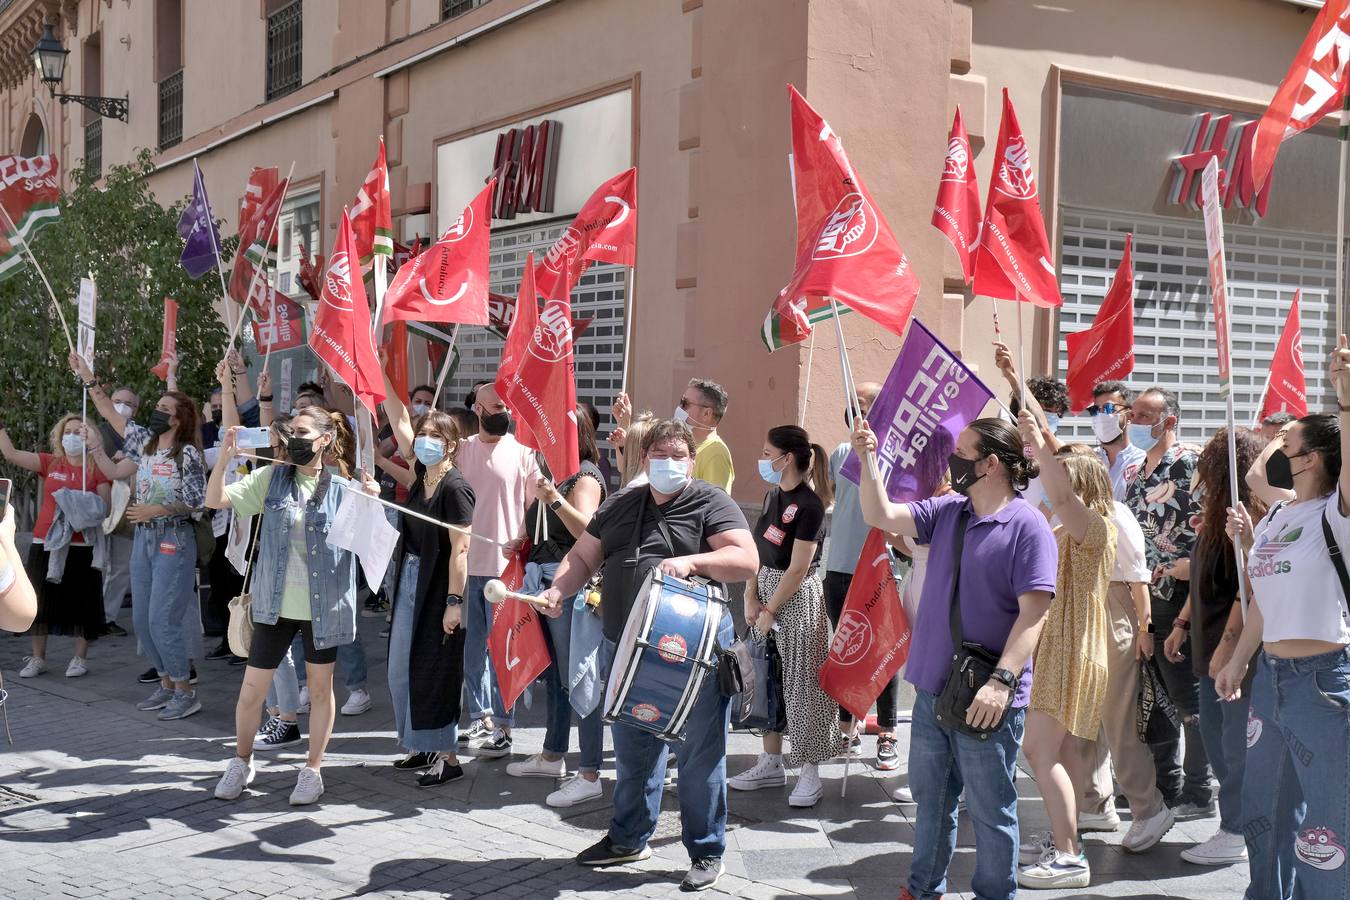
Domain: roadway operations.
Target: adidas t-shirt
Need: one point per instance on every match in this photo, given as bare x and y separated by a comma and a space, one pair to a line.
1295, 584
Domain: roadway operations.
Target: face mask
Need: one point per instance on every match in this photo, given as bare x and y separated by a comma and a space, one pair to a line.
428, 450
1106, 428
1052, 421
1142, 436
767, 471
1278, 471
963, 473
496, 424
73, 444
680, 415
420, 409
216, 416
159, 422
669, 476
301, 450
123, 409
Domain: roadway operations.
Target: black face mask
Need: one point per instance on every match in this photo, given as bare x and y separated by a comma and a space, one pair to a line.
963, 473
301, 450
216, 416
1278, 471
496, 424
159, 422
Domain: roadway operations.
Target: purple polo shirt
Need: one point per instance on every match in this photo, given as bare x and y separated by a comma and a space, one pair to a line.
1005, 555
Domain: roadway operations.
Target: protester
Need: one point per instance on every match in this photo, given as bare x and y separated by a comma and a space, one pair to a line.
120, 532
603, 463
1007, 579
1069, 690
568, 510
1048, 401
298, 504
426, 642
701, 408
1294, 809
708, 538
170, 489
633, 434
71, 602
1273, 423
1209, 626
18, 599
1109, 414
422, 399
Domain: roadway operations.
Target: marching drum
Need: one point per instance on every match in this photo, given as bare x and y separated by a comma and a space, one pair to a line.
668, 648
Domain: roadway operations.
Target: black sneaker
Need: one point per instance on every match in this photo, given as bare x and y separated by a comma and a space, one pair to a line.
192, 675
441, 772
149, 676
222, 651
115, 630
238, 660
282, 734
416, 761
703, 874
376, 606
494, 747
605, 852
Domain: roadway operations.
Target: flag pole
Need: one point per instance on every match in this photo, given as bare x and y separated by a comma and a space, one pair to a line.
628, 307
1021, 353
806, 395
84, 450
1261, 400
220, 268
1340, 216
253, 281
851, 395
23, 242
998, 332
445, 367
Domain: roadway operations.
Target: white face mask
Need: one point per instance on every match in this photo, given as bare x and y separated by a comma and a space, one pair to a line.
420, 409
123, 409
1106, 428
680, 415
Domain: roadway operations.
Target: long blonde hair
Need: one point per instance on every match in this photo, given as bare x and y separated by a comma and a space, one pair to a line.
59, 430
632, 444
1090, 482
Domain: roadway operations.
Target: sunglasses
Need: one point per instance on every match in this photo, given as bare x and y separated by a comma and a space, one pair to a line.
1106, 409
685, 404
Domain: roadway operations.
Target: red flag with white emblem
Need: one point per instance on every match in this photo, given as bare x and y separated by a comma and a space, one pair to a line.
372, 220
956, 213
1288, 392
604, 231
516, 640
1105, 350
845, 249
258, 211
448, 282
341, 335
1014, 260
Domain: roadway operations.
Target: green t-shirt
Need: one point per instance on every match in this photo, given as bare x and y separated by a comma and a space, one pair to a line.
246, 496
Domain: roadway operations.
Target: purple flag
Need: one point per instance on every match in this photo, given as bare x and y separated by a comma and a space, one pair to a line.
927, 399
197, 227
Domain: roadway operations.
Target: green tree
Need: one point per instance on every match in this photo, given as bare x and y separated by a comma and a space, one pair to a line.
117, 232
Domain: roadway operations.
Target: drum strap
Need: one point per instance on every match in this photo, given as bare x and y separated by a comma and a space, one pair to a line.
661, 524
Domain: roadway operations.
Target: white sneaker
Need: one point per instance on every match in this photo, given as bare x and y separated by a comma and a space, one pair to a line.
808, 790
573, 791
76, 668
1108, 821
1030, 851
238, 775
1224, 849
308, 787
903, 794
34, 666
768, 772
1056, 870
538, 767
1144, 833
303, 707
357, 702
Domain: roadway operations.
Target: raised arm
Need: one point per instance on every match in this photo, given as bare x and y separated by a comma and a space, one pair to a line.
1073, 513
114, 469
1256, 475
878, 510
399, 420
24, 459
1340, 378
215, 486
1003, 358
102, 402
266, 408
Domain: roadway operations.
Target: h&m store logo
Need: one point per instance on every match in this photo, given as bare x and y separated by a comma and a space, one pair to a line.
1218, 137
525, 165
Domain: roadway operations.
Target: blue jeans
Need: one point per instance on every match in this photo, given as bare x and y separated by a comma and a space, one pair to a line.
163, 564
351, 659
640, 764
284, 691
1299, 742
1223, 728
480, 681
422, 740
558, 637
941, 764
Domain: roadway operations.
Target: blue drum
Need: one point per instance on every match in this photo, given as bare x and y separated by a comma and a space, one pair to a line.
667, 649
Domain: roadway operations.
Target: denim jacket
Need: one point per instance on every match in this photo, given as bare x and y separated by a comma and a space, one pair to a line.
332, 572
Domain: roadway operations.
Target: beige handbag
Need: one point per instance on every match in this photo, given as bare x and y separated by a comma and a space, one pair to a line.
239, 633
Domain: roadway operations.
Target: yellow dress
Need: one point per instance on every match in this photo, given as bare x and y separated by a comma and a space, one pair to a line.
1069, 676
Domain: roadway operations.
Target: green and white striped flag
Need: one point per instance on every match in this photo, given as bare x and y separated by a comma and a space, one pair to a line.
772, 332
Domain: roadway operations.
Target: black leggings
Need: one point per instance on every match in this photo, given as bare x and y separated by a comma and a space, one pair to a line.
836, 590
270, 643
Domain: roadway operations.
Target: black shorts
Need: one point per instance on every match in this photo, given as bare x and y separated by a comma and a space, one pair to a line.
270, 643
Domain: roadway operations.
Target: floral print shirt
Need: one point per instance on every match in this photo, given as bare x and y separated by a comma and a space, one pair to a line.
1164, 503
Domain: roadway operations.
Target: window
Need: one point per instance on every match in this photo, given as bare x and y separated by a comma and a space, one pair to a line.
283, 50
169, 70
93, 145
452, 8
171, 110
299, 223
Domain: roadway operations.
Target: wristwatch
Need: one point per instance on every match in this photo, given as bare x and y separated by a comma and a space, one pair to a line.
555, 504
1004, 677
454, 600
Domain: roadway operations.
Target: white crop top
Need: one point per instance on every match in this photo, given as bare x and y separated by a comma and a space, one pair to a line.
1292, 576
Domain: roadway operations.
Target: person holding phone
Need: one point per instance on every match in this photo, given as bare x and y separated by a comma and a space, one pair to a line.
71, 605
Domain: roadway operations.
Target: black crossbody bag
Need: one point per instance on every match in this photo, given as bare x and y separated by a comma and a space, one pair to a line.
972, 664
1337, 560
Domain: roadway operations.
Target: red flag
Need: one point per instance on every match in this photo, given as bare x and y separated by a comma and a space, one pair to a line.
256, 238
845, 249
261, 183
309, 272
604, 231
396, 361
539, 384
1287, 391
448, 282
372, 221
341, 335
502, 308
168, 341
516, 639
871, 642
284, 328
1104, 350
1014, 260
1314, 86
956, 213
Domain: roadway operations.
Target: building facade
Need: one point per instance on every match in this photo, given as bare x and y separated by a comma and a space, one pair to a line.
1120, 102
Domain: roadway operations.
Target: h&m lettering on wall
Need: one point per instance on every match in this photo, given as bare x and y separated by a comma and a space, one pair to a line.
526, 168
1217, 137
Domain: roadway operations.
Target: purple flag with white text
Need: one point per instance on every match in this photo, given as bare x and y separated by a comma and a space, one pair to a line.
927, 399
197, 227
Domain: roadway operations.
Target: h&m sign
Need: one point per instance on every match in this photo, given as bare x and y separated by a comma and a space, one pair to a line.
1218, 137
526, 168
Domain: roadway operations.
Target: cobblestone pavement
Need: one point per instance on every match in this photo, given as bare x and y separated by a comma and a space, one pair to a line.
99, 800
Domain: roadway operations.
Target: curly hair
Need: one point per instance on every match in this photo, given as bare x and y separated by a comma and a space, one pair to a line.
1212, 471
1050, 393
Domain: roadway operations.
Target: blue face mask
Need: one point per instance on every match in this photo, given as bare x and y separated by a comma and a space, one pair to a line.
768, 472
73, 444
1052, 420
669, 476
1142, 436
428, 450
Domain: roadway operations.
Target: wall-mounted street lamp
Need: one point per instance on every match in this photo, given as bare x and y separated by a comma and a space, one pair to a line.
50, 58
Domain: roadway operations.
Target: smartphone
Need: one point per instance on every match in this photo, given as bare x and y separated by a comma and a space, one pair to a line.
5, 487
254, 438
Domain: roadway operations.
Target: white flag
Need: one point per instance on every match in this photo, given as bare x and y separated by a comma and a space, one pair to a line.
361, 528
236, 545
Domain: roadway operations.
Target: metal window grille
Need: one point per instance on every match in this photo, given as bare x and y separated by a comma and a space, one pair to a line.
93, 146
283, 50
452, 8
1175, 344
171, 110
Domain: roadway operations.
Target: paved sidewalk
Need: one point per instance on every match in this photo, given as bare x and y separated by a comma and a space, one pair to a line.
100, 800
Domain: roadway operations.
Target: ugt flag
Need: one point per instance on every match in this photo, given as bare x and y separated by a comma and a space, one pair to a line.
516, 639
871, 642
197, 228
604, 231
341, 335
956, 212
1105, 350
1014, 258
845, 249
927, 399
372, 220
449, 281
30, 195
257, 235
1287, 391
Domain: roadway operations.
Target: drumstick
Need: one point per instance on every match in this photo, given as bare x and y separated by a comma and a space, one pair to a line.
496, 591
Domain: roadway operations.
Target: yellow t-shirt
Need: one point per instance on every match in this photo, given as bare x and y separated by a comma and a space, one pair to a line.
712, 462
